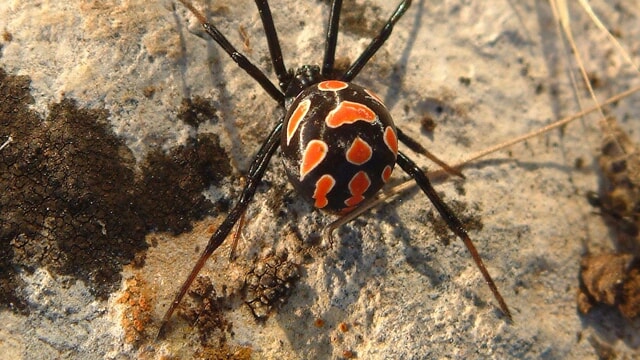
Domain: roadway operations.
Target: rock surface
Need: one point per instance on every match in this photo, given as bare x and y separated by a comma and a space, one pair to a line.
394, 285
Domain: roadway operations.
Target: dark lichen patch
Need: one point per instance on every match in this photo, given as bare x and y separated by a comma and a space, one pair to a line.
197, 111
611, 280
269, 285
73, 200
205, 310
170, 186
620, 198
14, 100
68, 184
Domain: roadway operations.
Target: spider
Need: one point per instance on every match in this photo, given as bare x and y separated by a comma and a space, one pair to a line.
338, 141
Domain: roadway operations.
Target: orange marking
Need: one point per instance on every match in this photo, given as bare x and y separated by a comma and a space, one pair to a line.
323, 187
354, 200
332, 85
357, 186
347, 210
348, 112
312, 156
391, 140
294, 121
386, 173
359, 152
374, 95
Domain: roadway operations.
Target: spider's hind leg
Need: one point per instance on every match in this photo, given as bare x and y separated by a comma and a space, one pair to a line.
418, 148
453, 223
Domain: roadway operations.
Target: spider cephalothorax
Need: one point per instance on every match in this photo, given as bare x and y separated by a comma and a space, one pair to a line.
302, 78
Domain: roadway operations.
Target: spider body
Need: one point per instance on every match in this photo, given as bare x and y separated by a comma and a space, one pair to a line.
338, 140
339, 145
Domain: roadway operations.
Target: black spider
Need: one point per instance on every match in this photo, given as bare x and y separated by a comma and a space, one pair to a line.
338, 141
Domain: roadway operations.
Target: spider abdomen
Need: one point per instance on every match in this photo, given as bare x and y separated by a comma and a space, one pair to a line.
339, 145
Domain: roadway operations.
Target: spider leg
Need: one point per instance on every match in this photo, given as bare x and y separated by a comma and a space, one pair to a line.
256, 171
236, 237
331, 39
274, 45
376, 43
418, 148
236, 56
452, 221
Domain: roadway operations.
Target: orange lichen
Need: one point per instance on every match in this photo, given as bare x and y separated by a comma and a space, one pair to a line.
343, 327
137, 312
348, 354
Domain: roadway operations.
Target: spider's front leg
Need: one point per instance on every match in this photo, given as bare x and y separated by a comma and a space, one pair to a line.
256, 172
239, 58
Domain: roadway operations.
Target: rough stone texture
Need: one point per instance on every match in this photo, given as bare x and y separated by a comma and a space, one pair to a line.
139, 73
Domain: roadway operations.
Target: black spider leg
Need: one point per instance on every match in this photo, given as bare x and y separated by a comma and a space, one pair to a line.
361, 61
262, 158
331, 39
284, 78
452, 221
418, 148
376, 43
238, 57
256, 171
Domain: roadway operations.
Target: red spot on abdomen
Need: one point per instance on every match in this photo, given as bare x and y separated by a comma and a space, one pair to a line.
323, 186
357, 186
348, 112
295, 119
386, 173
359, 152
332, 85
391, 140
312, 156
